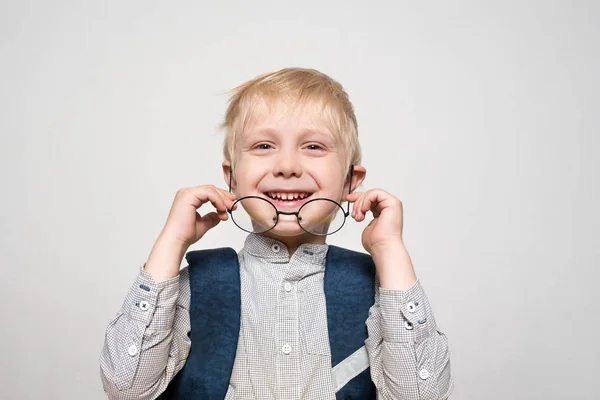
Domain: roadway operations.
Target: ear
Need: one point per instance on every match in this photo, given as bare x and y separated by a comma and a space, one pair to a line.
358, 176
226, 169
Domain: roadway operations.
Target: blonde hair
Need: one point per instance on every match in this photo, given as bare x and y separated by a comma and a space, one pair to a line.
297, 86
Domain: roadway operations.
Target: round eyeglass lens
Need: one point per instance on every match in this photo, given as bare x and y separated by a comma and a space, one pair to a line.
321, 217
254, 214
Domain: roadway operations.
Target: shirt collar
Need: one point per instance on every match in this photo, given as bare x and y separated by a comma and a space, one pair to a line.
272, 250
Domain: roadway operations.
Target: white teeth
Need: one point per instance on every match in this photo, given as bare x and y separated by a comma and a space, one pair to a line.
287, 196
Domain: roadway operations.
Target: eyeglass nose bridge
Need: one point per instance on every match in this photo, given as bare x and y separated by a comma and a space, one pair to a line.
287, 213
296, 213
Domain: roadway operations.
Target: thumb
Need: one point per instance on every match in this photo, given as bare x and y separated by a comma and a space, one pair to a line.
207, 221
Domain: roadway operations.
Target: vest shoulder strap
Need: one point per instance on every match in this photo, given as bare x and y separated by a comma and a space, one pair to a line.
349, 286
215, 325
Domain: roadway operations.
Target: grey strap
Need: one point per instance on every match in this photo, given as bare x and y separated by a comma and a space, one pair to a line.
353, 365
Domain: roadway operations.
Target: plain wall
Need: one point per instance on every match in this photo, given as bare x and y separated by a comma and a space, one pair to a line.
482, 117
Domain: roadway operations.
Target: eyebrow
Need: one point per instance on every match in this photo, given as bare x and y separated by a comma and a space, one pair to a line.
317, 132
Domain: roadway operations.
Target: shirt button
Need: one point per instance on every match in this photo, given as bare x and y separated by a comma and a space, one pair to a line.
286, 349
275, 248
411, 307
288, 287
424, 374
143, 305
408, 325
132, 350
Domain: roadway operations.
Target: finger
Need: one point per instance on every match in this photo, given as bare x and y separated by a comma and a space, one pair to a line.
363, 207
352, 197
210, 194
356, 208
358, 212
373, 202
227, 202
227, 194
218, 200
228, 198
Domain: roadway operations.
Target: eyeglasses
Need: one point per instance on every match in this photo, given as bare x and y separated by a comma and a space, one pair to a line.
320, 216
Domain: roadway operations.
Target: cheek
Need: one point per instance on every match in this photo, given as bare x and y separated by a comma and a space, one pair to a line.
330, 164
248, 177
329, 177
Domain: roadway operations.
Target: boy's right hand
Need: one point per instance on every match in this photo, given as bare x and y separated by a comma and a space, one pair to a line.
184, 224
185, 227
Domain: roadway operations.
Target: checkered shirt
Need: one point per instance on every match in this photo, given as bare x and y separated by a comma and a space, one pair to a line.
283, 349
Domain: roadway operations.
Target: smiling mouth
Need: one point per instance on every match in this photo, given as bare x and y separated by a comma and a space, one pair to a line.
288, 197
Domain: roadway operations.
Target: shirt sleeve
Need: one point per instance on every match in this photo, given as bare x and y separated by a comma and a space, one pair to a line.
409, 356
147, 342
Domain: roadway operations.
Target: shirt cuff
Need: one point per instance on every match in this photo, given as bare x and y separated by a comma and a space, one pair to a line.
406, 314
152, 303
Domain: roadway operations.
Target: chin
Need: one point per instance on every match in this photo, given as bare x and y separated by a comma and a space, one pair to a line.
286, 232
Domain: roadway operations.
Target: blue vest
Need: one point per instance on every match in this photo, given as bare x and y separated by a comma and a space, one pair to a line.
349, 286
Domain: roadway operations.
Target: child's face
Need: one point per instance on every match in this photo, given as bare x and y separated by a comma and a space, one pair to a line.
294, 155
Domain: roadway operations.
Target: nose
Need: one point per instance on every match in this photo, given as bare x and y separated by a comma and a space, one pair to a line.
287, 165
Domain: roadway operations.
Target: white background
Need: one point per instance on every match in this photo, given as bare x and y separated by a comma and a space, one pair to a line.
480, 116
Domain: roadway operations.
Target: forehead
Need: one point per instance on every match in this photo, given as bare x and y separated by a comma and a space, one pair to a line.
285, 117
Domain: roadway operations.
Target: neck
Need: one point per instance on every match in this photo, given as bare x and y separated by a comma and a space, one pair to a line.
293, 242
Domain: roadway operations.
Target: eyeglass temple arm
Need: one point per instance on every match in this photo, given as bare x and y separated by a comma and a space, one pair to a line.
350, 189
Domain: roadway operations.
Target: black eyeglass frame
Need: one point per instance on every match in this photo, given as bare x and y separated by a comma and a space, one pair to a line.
296, 213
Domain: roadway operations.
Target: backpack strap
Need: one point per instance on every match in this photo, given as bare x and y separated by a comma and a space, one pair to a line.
349, 286
215, 325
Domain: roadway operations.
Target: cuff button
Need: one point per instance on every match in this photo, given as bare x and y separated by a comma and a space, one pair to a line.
411, 307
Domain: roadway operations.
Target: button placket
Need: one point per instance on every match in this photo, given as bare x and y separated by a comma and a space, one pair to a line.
288, 336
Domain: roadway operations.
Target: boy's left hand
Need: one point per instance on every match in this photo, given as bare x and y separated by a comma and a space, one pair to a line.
385, 231
382, 237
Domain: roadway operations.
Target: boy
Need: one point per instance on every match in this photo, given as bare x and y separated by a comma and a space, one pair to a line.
285, 317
